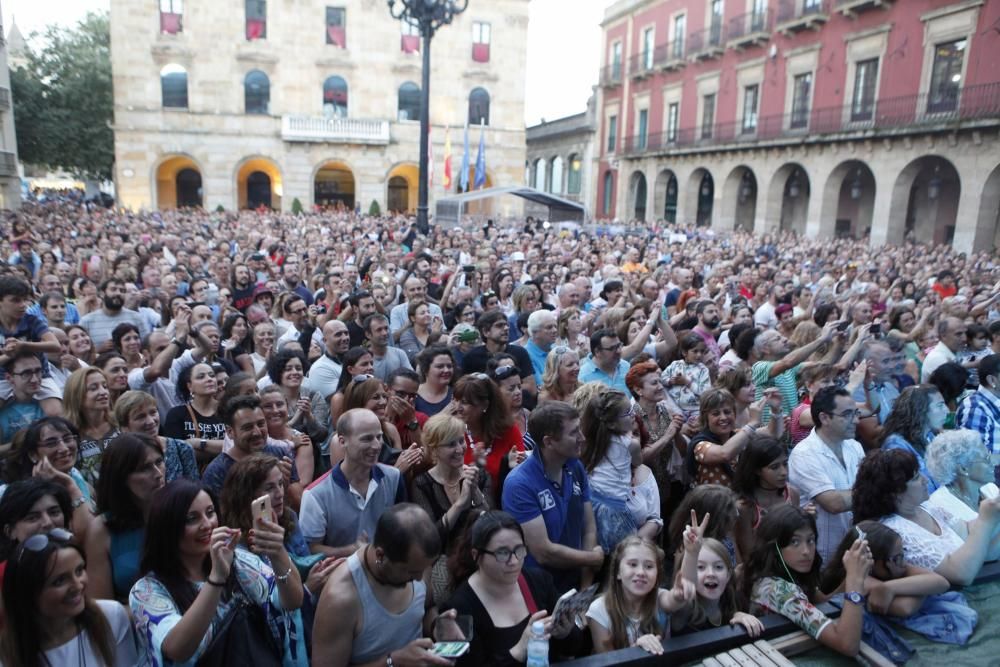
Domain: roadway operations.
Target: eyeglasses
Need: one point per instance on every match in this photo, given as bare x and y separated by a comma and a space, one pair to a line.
479, 376
363, 377
224, 295
404, 394
297, 311
504, 372
846, 414
614, 348
39, 542
561, 349
503, 554
68, 439
28, 374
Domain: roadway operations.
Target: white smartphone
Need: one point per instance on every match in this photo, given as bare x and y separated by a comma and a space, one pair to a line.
261, 509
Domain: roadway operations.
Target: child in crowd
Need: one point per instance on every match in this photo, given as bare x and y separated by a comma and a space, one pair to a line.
688, 377
977, 341
760, 481
781, 576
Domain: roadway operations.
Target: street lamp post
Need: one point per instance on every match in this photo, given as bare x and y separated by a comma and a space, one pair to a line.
428, 16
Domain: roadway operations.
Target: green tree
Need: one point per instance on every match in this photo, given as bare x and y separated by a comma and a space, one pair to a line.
63, 105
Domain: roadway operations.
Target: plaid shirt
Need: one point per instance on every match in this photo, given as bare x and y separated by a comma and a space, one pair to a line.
980, 411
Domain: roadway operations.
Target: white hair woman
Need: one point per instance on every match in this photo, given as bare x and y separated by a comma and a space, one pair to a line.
961, 465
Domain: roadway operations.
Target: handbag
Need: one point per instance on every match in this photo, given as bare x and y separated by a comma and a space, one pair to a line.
243, 637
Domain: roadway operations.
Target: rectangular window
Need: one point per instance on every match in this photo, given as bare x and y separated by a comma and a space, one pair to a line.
801, 91
708, 116
480, 42
648, 47
336, 26
715, 31
673, 112
946, 76
863, 103
256, 11
171, 12
750, 95
643, 129
409, 42
612, 133
680, 28
759, 16
616, 61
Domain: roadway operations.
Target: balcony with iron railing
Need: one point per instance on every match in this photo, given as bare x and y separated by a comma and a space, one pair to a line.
796, 15
318, 129
886, 116
670, 55
611, 75
750, 29
851, 8
642, 64
707, 43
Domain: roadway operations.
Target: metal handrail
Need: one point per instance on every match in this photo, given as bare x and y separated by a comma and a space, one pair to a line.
790, 10
750, 23
969, 103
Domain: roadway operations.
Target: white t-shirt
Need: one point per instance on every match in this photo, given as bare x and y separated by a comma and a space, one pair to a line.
612, 476
122, 635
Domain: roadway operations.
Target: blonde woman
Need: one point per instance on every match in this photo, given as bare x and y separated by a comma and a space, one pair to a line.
571, 334
87, 405
561, 376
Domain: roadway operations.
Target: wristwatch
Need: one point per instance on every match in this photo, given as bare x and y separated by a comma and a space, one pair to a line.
202, 444
855, 597
413, 425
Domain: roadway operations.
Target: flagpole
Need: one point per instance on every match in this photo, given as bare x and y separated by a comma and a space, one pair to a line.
423, 225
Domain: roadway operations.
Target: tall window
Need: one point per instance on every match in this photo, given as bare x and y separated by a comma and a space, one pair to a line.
612, 133
480, 42
409, 41
680, 27
171, 12
479, 107
336, 26
256, 92
750, 95
256, 11
335, 97
573, 175
946, 76
609, 189
863, 103
708, 116
801, 90
648, 47
409, 101
715, 30
616, 61
673, 112
643, 127
759, 15
174, 87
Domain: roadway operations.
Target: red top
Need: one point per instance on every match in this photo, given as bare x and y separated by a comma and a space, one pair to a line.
500, 448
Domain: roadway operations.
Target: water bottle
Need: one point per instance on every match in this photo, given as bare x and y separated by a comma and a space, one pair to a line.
538, 646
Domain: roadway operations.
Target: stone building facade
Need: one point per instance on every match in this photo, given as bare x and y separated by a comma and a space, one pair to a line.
826, 117
561, 156
10, 180
243, 103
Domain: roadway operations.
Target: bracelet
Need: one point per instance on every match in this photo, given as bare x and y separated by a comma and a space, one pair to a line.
282, 578
77, 503
749, 430
208, 580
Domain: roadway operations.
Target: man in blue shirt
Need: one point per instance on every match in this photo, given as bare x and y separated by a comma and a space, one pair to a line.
980, 411
22, 332
24, 372
605, 363
549, 495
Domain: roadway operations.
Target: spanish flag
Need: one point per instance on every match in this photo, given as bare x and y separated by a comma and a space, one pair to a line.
447, 158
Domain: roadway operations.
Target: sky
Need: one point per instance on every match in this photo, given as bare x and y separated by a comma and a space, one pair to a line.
561, 70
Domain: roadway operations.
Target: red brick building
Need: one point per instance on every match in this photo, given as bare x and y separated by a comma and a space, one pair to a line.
821, 116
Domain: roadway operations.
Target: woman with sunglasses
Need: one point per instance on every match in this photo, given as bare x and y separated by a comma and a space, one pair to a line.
503, 598
561, 377
195, 575
132, 470
502, 369
58, 621
30, 507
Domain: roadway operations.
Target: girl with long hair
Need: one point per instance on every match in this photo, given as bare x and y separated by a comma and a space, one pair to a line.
137, 412
80, 344
29, 507
193, 572
760, 481
633, 609
358, 361
716, 600
58, 622
492, 437
571, 334
132, 471
609, 456
917, 415
310, 413
781, 576
718, 505
87, 405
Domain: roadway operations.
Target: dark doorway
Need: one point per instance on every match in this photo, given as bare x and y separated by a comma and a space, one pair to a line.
399, 195
188, 188
258, 190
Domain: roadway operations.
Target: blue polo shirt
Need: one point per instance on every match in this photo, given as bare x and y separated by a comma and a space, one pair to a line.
590, 372
537, 356
528, 493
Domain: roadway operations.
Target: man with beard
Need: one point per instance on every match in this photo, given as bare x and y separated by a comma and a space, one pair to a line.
495, 339
100, 323
414, 288
708, 323
362, 305
291, 280
241, 284
387, 359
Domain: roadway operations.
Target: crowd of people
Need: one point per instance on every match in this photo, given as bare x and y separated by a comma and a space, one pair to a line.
326, 438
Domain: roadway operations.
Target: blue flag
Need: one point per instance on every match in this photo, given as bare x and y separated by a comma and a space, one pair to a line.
463, 172
481, 158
